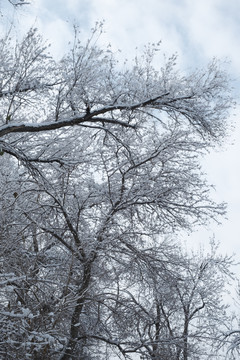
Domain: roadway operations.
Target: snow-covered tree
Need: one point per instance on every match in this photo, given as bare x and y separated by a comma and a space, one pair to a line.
104, 158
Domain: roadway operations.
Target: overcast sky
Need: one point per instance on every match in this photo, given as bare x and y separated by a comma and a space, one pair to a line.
197, 30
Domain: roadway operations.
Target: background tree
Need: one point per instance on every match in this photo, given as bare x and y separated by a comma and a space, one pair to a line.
170, 307
231, 333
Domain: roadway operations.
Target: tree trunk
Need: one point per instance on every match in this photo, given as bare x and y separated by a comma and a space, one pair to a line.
185, 338
72, 342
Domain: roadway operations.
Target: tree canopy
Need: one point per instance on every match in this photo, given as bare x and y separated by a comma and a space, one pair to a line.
99, 169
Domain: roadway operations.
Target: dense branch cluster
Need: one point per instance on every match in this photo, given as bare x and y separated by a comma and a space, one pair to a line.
99, 170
